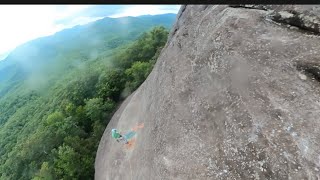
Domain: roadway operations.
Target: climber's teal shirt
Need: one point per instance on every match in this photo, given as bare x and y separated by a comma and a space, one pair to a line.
115, 134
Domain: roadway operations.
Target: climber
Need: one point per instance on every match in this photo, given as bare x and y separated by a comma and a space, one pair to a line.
118, 136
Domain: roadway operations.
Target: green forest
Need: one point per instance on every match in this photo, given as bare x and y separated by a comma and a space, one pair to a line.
54, 112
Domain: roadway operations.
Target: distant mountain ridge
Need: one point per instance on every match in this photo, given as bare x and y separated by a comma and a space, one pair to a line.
57, 93
64, 49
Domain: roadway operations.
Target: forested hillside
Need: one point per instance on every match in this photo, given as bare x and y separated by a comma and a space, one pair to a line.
56, 55
57, 93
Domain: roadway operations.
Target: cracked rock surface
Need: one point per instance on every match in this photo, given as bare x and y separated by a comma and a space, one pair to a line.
233, 95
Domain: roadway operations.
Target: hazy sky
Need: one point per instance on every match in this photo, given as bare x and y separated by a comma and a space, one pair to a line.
21, 23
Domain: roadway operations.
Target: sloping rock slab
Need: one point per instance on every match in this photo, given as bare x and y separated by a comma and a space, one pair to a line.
230, 97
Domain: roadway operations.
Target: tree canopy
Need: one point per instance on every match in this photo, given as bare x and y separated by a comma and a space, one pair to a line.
53, 132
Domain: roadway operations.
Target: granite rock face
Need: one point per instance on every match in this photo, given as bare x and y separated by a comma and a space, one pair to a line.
235, 94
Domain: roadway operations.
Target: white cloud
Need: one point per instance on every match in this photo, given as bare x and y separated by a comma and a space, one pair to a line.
138, 10
22, 23
82, 20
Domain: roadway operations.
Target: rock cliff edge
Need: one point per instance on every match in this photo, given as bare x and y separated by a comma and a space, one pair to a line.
235, 94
